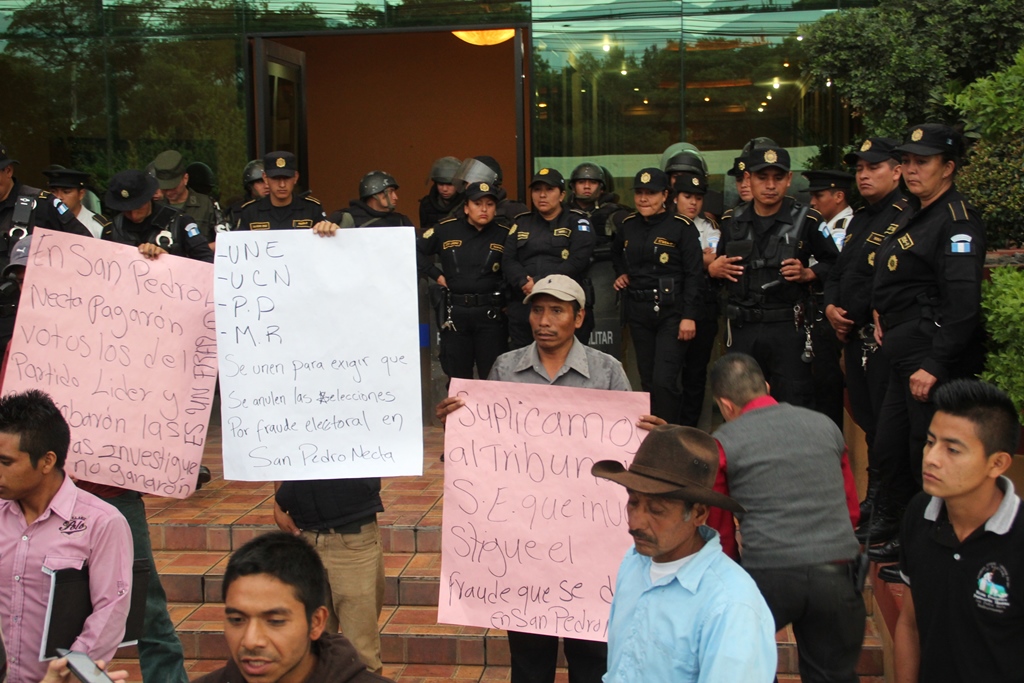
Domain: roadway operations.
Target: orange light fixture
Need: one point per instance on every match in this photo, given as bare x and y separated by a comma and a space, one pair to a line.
491, 37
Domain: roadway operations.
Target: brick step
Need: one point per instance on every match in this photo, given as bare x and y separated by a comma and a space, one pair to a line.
192, 576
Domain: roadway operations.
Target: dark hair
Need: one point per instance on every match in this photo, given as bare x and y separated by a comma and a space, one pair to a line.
995, 418
289, 559
38, 423
737, 377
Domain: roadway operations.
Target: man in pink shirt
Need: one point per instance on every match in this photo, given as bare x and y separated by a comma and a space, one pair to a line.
48, 524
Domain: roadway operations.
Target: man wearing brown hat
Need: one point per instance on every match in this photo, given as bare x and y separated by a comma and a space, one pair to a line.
170, 170
682, 611
783, 463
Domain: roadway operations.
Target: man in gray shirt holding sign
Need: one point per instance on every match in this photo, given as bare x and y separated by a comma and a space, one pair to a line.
557, 306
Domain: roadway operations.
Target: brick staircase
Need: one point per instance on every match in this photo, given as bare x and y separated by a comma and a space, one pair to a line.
193, 538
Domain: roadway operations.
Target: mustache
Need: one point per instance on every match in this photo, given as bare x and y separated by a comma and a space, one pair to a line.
640, 536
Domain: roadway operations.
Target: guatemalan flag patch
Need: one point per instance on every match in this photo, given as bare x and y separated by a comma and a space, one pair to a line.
960, 244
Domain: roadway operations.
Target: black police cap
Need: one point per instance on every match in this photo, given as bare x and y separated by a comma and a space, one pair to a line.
874, 150
130, 190
929, 139
477, 190
550, 177
767, 157
58, 176
690, 183
280, 165
651, 179
828, 180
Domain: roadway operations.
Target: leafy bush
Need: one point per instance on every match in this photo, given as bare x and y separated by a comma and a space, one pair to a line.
993, 180
1002, 300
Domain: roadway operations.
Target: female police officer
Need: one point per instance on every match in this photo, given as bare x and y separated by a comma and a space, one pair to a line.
550, 240
658, 260
927, 308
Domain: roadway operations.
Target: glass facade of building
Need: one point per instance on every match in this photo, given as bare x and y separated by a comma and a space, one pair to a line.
103, 85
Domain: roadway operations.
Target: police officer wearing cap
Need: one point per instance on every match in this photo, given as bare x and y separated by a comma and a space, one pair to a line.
376, 206
927, 310
280, 209
830, 192
473, 327
550, 240
154, 228
254, 187
847, 294
69, 185
690, 187
740, 171
172, 177
764, 257
658, 261
442, 198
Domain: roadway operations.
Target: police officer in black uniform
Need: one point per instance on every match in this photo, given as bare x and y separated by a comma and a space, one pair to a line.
927, 307
763, 255
473, 327
659, 264
590, 195
70, 186
378, 199
847, 294
437, 204
280, 209
550, 240
154, 228
254, 186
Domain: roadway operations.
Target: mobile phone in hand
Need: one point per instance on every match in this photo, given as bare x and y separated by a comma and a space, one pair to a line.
83, 667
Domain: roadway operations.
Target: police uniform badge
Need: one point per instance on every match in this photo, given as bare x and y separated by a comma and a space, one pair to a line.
428, 234
496, 267
866, 146
543, 171
917, 135
565, 254
663, 258
696, 180
645, 178
770, 157
742, 166
893, 263
906, 242
124, 194
960, 244
871, 259
280, 162
484, 187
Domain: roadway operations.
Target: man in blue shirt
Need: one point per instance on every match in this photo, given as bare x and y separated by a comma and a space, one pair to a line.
683, 611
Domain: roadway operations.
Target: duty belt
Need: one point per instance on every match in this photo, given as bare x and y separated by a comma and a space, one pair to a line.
891, 320
642, 294
472, 300
758, 315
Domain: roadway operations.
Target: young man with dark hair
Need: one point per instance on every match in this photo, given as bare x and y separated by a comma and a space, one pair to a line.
47, 524
962, 546
275, 618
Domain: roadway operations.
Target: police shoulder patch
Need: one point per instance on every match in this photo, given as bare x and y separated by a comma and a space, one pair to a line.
512, 230
875, 238
428, 234
583, 225
562, 232
823, 229
523, 236
192, 230
312, 199
961, 244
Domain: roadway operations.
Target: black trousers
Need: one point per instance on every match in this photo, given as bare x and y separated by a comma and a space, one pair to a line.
659, 355
826, 371
777, 348
694, 377
866, 386
534, 658
827, 613
480, 336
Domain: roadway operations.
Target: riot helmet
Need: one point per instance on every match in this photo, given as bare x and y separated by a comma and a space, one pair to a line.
444, 169
474, 171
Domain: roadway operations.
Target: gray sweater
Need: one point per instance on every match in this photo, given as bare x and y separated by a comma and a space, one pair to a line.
783, 466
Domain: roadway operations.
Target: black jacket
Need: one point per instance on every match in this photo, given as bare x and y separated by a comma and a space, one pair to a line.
185, 236
363, 215
470, 258
536, 247
320, 504
261, 214
434, 208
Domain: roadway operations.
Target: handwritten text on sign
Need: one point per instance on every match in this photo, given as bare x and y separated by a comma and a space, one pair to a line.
319, 348
531, 540
125, 346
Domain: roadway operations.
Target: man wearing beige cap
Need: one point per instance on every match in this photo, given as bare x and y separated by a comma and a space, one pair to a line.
682, 611
556, 357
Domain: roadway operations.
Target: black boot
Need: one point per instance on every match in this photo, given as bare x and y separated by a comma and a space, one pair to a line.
865, 505
887, 552
885, 522
890, 574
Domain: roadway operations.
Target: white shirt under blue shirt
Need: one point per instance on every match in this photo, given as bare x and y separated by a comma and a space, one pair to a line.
705, 622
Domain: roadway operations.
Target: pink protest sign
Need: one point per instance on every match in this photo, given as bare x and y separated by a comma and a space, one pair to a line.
531, 541
126, 347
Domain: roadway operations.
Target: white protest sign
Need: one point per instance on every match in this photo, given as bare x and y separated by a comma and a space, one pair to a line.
531, 540
125, 347
318, 342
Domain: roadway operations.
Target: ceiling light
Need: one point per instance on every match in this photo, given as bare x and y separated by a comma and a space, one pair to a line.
492, 37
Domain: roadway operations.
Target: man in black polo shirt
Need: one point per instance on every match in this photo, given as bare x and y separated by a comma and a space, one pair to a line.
963, 546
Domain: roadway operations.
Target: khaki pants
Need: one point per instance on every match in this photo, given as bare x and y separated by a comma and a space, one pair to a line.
355, 578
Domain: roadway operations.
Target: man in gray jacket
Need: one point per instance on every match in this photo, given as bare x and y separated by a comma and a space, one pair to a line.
783, 464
